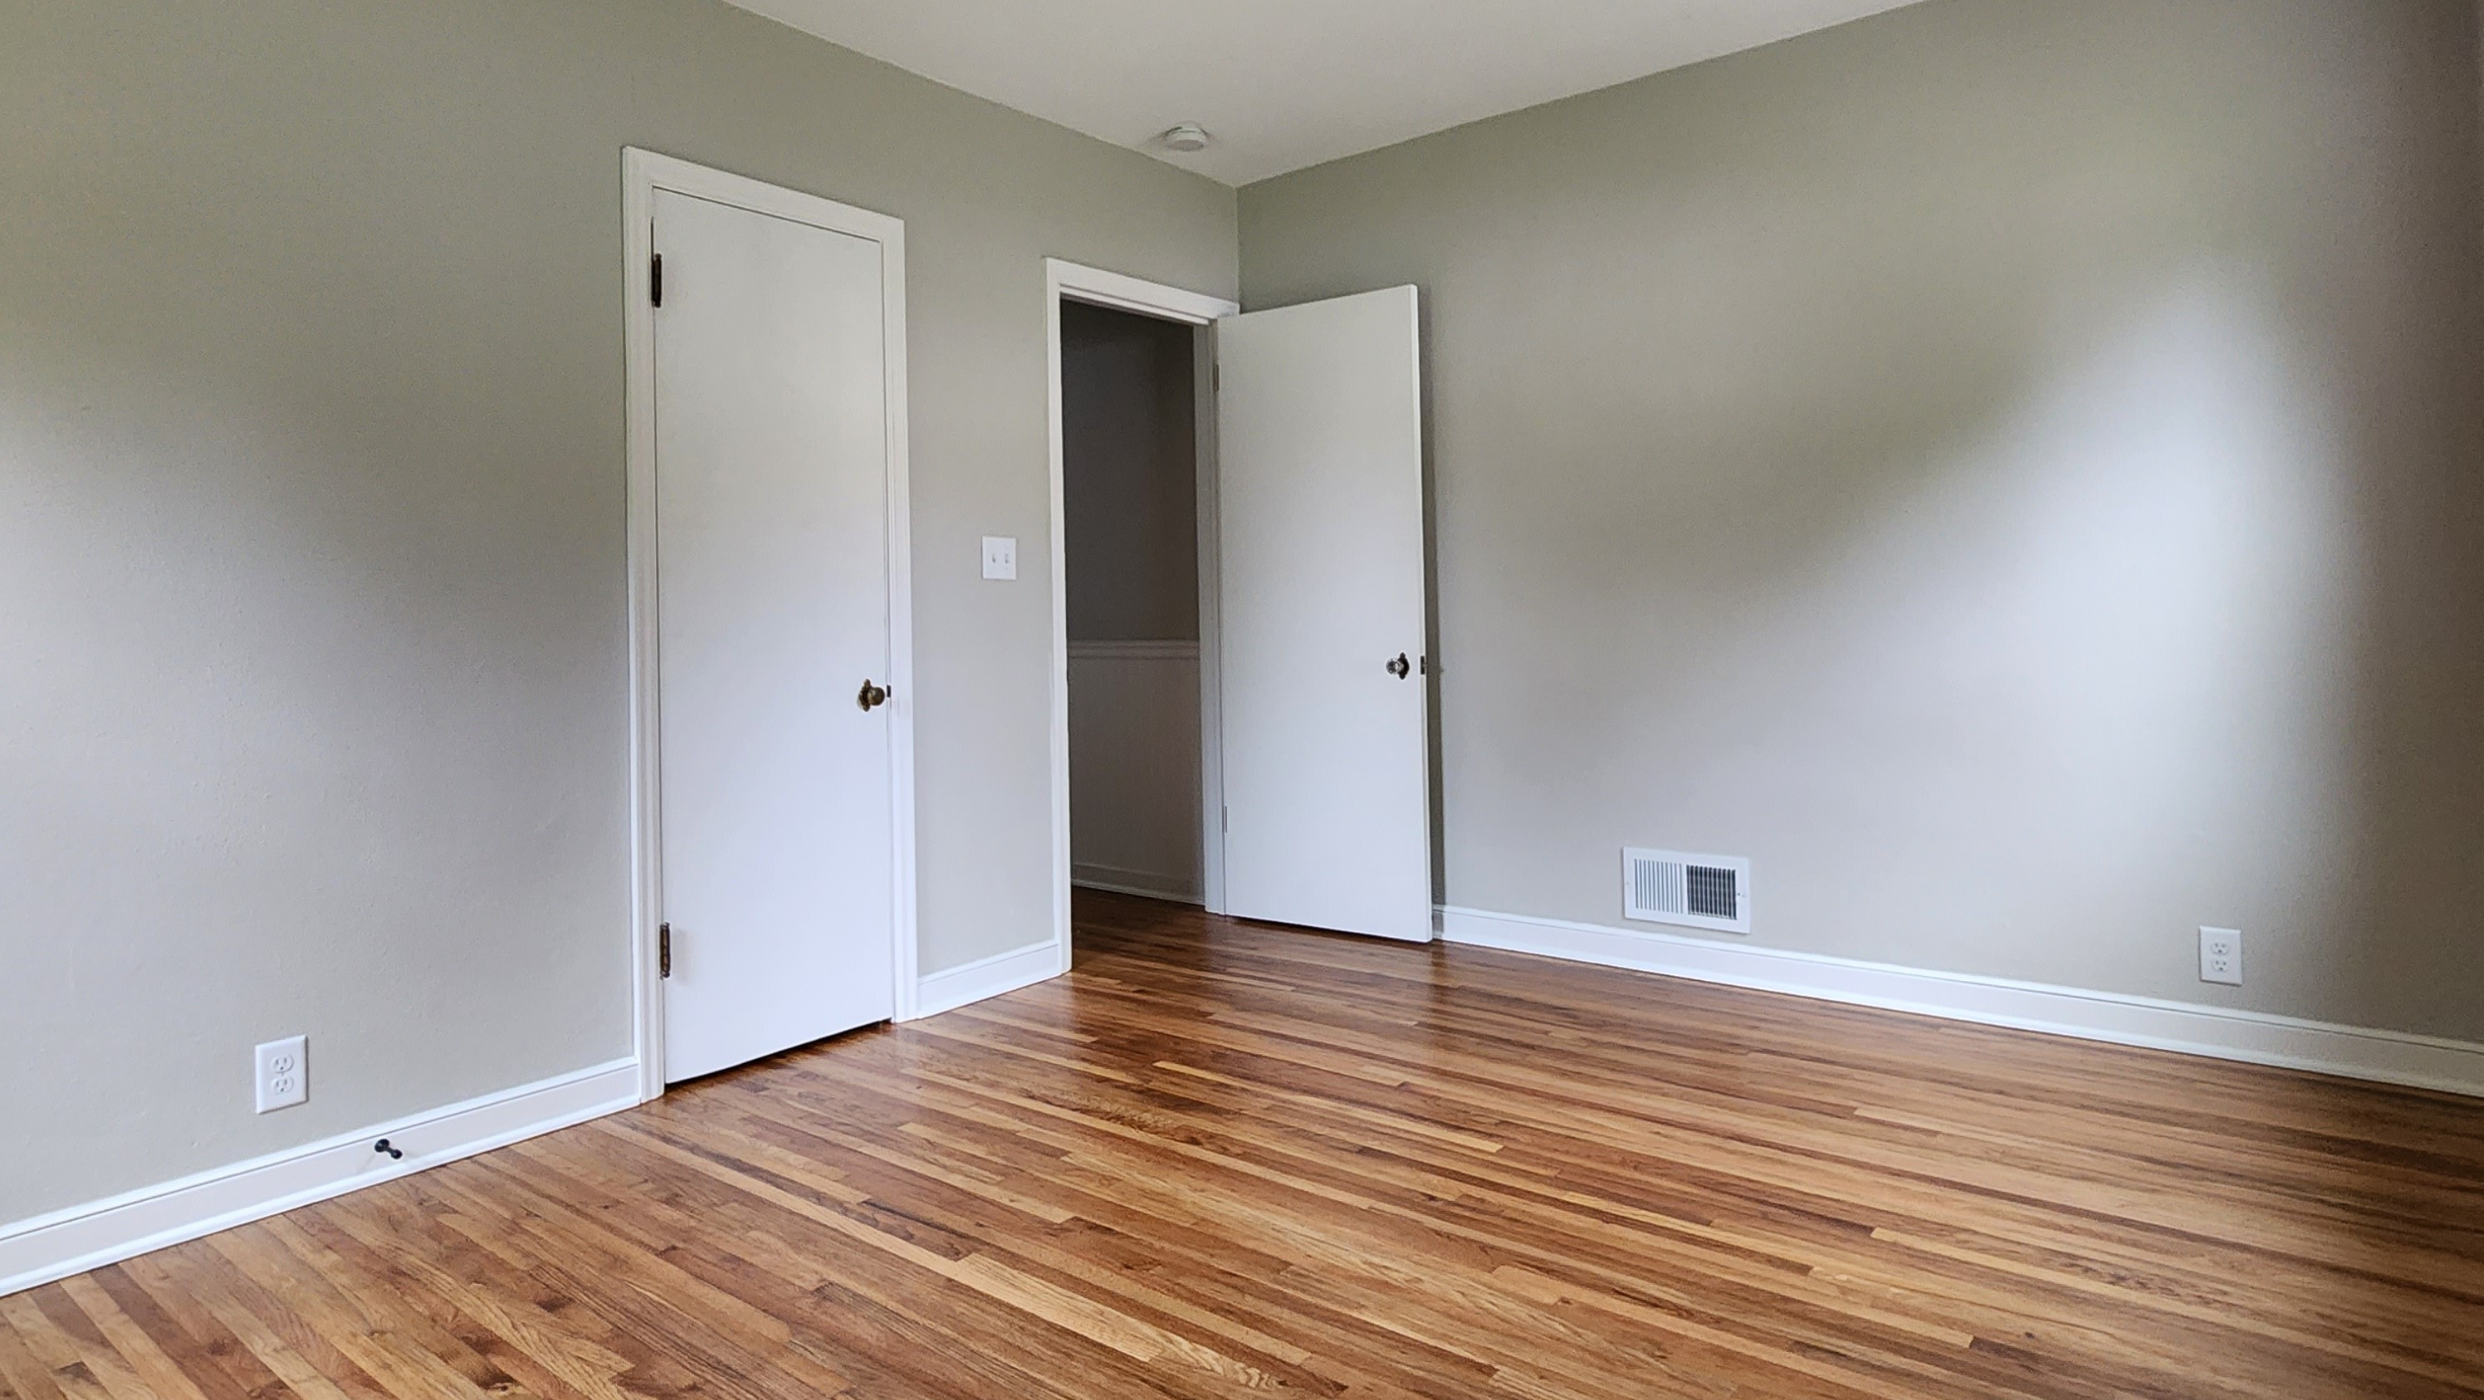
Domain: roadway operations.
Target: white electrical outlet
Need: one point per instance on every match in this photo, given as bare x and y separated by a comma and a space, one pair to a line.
284, 1073
1000, 557
2220, 956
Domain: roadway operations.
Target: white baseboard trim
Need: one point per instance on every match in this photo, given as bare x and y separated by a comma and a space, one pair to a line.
1146, 884
987, 977
72, 1241
2390, 1057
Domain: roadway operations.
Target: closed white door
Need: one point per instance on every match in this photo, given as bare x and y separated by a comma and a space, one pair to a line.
773, 613
1320, 536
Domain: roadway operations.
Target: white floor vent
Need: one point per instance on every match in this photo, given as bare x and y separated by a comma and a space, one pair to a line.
1671, 887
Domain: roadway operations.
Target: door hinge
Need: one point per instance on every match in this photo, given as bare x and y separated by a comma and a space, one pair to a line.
1216, 377
1224, 819
655, 278
664, 950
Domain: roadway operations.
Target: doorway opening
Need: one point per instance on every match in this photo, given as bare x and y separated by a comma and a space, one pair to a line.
1135, 755
1130, 508
1309, 733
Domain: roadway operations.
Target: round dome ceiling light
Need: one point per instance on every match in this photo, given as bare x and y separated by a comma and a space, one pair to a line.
1189, 136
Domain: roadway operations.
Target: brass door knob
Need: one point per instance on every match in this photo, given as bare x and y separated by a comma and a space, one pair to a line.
1401, 667
872, 696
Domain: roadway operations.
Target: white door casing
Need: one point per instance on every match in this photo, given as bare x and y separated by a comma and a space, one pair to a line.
1099, 287
768, 583
1320, 511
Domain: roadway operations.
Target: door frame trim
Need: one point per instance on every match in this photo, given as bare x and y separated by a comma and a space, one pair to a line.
643, 172
1097, 287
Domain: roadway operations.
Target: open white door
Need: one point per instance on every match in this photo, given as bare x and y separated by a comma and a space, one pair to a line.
772, 553
1320, 538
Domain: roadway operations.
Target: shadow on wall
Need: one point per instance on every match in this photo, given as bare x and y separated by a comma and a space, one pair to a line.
2010, 472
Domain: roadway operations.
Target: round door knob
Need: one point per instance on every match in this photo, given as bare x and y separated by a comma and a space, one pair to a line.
872, 696
1401, 667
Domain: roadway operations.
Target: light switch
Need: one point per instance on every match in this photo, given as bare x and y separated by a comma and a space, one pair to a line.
1000, 556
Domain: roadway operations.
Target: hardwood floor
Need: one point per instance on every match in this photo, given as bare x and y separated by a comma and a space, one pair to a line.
1221, 1160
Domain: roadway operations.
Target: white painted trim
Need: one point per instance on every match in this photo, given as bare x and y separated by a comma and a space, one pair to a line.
904, 887
1134, 651
1211, 624
1096, 287
2390, 1057
642, 174
1146, 884
646, 814
1100, 288
989, 977
72, 1241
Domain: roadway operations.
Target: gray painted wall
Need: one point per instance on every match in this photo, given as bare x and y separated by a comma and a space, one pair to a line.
311, 558
1129, 479
2007, 468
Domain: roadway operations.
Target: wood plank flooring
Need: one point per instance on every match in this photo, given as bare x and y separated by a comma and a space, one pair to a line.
1222, 1160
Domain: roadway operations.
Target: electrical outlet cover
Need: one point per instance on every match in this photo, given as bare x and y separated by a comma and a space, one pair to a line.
2221, 956
283, 1073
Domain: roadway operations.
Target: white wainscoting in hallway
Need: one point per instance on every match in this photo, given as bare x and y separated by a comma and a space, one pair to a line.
1134, 767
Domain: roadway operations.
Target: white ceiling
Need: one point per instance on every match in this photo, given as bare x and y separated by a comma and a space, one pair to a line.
1282, 84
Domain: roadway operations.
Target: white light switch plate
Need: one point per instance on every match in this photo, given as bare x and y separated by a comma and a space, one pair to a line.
283, 1073
1000, 557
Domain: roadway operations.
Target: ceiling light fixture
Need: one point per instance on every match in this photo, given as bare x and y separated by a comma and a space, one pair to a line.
1189, 136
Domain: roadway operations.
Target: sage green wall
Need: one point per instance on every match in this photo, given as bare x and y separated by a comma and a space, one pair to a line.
311, 557
2007, 468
